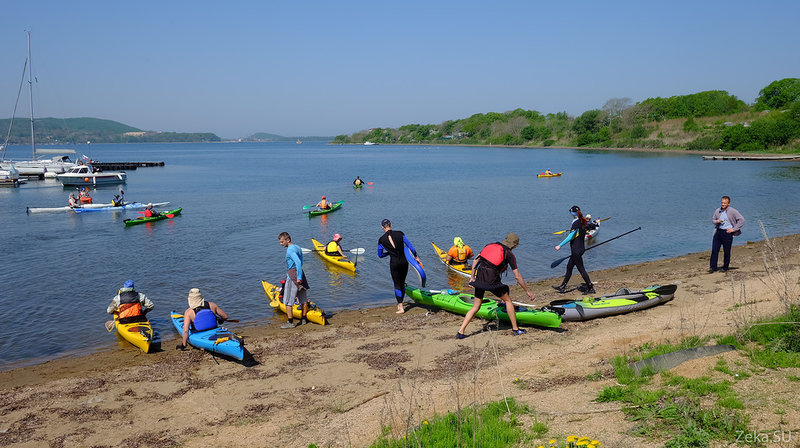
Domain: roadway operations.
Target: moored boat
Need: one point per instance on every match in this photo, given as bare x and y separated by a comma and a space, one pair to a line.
622, 301
314, 314
83, 176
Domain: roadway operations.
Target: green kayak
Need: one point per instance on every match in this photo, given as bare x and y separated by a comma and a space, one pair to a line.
142, 219
335, 206
461, 303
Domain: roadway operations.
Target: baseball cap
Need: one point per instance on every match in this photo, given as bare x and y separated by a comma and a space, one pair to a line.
385, 223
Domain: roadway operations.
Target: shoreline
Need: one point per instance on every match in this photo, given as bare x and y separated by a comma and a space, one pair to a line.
370, 368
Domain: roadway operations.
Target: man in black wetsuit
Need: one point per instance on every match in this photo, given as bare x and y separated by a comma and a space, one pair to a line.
392, 243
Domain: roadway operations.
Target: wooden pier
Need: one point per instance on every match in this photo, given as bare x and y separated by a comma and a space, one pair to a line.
124, 166
796, 157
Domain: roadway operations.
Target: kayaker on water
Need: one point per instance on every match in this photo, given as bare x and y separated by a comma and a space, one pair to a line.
492, 261
201, 315
548, 172
116, 202
73, 201
129, 305
334, 247
323, 204
576, 240
296, 283
358, 181
150, 212
460, 252
392, 243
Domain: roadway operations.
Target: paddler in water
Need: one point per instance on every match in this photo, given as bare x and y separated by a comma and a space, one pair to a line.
548, 172
129, 305
492, 261
358, 181
201, 315
334, 247
150, 212
323, 204
459, 253
73, 201
392, 243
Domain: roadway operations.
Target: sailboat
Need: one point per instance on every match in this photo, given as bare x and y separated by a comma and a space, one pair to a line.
37, 166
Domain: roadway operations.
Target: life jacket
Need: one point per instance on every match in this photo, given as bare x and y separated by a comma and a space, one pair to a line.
495, 254
323, 204
462, 253
204, 318
148, 213
130, 308
332, 248
86, 200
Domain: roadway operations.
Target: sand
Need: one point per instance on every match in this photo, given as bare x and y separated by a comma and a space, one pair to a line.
369, 369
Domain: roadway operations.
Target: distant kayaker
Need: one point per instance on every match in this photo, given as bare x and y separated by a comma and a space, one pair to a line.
84, 196
201, 315
460, 252
492, 261
358, 181
335, 247
392, 243
129, 305
150, 212
577, 247
296, 283
323, 204
116, 202
73, 201
728, 223
548, 172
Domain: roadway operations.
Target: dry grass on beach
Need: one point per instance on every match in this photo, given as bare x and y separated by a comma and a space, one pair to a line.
371, 370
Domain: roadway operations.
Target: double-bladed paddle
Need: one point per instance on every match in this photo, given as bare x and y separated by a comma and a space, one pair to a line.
357, 251
560, 260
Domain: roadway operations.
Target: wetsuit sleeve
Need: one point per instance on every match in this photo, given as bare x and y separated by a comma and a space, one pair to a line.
410, 246
381, 252
297, 263
568, 238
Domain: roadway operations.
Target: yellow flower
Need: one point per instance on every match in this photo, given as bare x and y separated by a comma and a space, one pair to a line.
540, 446
596, 443
552, 441
590, 446
584, 438
582, 442
425, 422
571, 438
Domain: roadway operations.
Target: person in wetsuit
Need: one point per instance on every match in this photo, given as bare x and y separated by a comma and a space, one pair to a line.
576, 238
392, 243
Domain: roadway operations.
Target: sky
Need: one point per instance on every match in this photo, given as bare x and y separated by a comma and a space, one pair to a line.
306, 68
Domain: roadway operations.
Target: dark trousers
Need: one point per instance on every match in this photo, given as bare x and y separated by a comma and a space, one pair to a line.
725, 240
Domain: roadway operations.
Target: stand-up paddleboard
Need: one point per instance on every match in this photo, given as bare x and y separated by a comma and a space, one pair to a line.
417, 267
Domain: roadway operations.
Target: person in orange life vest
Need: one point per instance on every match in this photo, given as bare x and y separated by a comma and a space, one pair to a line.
150, 212
200, 316
323, 204
129, 305
84, 196
460, 252
334, 247
486, 269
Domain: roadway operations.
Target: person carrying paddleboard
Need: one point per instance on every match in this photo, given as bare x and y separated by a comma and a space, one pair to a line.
392, 243
492, 261
577, 247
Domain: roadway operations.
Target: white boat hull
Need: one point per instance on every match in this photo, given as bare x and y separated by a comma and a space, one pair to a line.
92, 179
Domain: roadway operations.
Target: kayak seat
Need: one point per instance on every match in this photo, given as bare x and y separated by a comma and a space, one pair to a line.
622, 292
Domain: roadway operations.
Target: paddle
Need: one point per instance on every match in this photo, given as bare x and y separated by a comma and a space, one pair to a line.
562, 231
110, 325
558, 262
306, 207
357, 251
370, 183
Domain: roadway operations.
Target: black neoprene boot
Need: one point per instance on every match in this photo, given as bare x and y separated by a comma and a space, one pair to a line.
561, 289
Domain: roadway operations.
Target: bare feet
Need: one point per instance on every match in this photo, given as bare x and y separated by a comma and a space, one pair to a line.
400, 309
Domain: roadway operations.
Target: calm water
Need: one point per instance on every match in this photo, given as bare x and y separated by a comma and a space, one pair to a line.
64, 268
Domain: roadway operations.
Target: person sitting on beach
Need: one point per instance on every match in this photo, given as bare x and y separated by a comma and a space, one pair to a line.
129, 306
358, 181
150, 212
201, 315
323, 204
334, 248
73, 201
459, 253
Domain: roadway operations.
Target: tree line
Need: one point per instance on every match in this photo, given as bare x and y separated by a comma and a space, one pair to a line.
706, 120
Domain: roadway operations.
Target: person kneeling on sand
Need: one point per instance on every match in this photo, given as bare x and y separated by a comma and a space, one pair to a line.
201, 315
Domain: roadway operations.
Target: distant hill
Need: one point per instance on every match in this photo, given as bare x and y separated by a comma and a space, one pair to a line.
96, 130
267, 137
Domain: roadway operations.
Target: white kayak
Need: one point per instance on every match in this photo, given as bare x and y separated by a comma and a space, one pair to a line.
131, 206
65, 208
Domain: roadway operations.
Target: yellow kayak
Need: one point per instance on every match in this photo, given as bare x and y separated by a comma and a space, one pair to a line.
273, 292
342, 262
461, 268
139, 334
549, 175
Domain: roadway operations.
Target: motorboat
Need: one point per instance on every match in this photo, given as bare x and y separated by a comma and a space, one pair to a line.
84, 176
9, 177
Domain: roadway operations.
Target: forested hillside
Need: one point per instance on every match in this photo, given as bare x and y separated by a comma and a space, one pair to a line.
701, 121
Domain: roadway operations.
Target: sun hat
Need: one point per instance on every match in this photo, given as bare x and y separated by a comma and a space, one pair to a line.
458, 242
511, 241
128, 284
195, 298
337, 237
385, 223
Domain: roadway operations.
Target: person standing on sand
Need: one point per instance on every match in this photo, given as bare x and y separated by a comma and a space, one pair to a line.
728, 223
576, 239
392, 243
486, 269
296, 283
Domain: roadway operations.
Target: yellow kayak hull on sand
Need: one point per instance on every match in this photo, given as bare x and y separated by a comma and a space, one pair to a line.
140, 334
461, 268
314, 314
342, 262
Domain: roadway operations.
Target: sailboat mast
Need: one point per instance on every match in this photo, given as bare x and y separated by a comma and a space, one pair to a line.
30, 88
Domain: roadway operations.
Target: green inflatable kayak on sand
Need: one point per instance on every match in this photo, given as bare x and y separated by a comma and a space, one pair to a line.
460, 303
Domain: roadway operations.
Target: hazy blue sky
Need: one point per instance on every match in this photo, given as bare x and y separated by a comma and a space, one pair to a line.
337, 67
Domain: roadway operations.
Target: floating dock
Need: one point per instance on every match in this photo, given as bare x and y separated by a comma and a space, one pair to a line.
124, 166
797, 157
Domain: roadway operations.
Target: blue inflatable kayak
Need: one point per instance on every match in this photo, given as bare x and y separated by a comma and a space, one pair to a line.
417, 267
218, 340
131, 206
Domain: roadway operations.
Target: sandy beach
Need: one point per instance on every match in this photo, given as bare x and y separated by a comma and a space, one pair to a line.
341, 384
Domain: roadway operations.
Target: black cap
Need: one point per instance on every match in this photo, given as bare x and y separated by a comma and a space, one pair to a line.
575, 209
385, 223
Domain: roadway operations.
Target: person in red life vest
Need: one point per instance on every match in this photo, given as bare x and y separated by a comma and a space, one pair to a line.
73, 201
85, 198
150, 212
201, 315
323, 204
459, 253
492, 261
130, 306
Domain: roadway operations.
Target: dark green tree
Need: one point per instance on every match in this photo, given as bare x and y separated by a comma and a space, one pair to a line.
778, 94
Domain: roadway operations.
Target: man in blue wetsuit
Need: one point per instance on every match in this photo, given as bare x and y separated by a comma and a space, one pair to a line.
392, 243
296, 283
